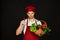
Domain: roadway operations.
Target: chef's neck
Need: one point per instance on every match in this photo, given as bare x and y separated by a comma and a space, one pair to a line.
31, 19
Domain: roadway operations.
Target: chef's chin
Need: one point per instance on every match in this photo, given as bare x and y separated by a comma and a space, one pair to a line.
31, 17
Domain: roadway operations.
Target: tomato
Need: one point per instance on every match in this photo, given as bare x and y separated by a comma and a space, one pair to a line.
44, 25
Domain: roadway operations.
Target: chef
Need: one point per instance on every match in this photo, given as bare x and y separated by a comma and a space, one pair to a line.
26, 24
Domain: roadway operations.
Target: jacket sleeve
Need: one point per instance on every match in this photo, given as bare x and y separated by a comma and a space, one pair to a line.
39, 23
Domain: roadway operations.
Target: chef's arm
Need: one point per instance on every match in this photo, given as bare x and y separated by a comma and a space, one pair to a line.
20, 28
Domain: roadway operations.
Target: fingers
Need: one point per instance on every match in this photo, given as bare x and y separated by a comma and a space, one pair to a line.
39, 32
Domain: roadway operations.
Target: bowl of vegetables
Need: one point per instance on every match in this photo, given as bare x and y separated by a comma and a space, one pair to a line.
34, 27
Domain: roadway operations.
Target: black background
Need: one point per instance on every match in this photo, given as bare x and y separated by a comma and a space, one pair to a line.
13, 11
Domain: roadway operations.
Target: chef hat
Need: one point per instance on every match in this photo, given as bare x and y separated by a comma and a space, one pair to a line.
30, 8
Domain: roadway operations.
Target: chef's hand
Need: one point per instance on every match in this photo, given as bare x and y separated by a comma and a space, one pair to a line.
20, 28
39, 32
